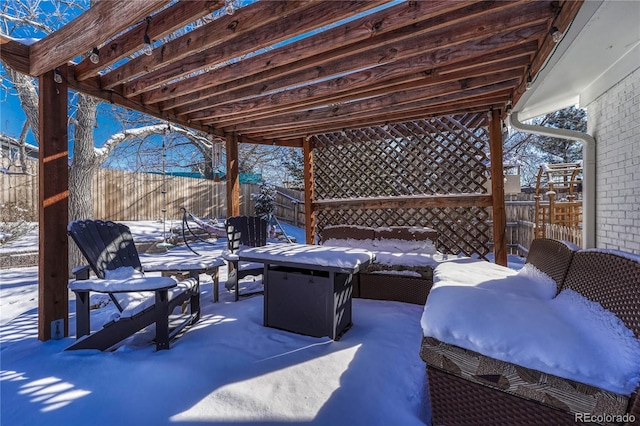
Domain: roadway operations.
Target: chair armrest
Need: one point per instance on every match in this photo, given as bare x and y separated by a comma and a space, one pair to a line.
123, 286
81, 272
228, 255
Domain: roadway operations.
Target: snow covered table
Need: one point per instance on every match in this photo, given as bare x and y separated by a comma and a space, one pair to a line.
554, 343
307, 288
179, 260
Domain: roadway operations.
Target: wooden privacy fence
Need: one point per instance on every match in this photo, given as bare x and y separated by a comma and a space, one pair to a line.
122, 195
520, 211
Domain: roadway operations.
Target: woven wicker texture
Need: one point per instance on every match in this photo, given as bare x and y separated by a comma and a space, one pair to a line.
547, 389
458, 402
551, 257
609, 279
394, 287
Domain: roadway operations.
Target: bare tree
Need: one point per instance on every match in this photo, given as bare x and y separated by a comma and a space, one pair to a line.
25, 18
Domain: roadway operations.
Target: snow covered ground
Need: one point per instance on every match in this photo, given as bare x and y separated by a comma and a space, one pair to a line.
226, 369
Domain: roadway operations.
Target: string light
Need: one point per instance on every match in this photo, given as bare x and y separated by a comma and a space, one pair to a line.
57, 76
94, 57
229, 7
556, 35
147, 49
529, 83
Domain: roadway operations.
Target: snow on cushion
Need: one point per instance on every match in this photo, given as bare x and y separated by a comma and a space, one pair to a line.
486, 308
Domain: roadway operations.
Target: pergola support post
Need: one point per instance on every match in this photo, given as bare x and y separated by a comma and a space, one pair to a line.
497, 189
53, 201
309, 216
233, 176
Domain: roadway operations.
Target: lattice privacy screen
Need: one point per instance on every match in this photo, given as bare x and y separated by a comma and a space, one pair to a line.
437, 156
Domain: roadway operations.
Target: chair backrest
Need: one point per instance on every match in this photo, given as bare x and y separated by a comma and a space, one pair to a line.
552, 257
106, 245
611, 278
248, 231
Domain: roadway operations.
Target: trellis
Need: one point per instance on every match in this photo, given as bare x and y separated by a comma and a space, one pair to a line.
408, 174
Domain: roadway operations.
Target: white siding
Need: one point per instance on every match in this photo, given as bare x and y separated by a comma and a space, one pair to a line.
614, 121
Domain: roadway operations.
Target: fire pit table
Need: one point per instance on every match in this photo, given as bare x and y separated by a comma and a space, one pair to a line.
307, 288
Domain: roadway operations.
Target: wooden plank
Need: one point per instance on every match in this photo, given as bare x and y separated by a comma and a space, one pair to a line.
53, 181
262, 30
463, 105
90, 29
360, 86
397, 100
162, 24
309, 216
169, 61
497, 189
14, 54
389, 48
91, 86
568, 10
233, 176
413, 201
356, 34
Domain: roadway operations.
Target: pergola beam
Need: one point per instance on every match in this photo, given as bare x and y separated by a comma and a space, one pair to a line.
484, 29
233, 176
357, 35
53, 215
229, 38
497, 189
309, 214
399, 100
90, 29
163, 23
15, 54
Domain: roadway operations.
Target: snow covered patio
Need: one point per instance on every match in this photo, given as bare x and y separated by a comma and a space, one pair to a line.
226, 369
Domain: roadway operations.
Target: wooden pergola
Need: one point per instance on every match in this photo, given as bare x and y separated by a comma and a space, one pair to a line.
278, 72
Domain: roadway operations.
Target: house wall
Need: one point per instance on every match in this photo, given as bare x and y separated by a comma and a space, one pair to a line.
614, 121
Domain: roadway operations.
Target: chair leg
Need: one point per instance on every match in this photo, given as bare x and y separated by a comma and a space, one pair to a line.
162, 319
194, 300
215, 275
83, 316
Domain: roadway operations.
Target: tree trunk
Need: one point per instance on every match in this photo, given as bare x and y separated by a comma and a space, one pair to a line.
84, 165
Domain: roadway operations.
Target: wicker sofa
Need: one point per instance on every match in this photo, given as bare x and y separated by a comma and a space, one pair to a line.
467, 387
386, 278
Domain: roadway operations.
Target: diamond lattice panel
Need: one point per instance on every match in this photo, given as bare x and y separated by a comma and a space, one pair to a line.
432, 156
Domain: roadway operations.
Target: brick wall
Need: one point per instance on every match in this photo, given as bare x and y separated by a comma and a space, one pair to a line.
614, 121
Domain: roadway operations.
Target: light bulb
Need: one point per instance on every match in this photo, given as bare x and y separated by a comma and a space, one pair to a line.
529, 83
229, 7
94, 57
556, 35
57, 77
147, 49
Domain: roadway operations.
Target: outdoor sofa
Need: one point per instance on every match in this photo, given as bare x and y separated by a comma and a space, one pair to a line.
469, 387
405, 257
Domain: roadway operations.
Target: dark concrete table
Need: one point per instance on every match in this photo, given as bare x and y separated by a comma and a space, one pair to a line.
307, 288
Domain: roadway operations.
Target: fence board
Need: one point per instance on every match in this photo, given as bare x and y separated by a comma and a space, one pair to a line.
122, 196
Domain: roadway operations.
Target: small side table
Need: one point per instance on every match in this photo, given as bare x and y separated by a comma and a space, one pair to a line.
189, 264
